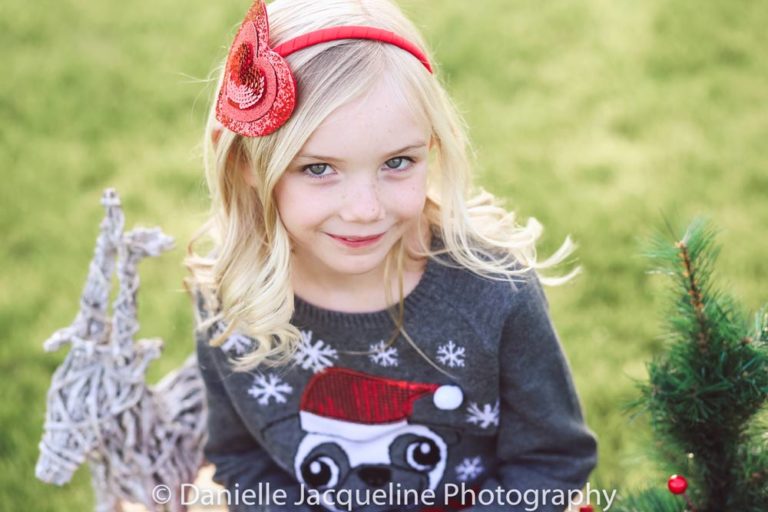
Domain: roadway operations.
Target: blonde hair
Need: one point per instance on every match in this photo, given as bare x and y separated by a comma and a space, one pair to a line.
246, 280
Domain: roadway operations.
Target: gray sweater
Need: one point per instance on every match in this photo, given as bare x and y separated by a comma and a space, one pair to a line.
503, 415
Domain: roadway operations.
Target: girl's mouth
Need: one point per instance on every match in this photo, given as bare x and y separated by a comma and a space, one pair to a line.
357, 241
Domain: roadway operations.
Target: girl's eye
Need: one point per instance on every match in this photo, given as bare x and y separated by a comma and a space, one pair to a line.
399, 163
316, 170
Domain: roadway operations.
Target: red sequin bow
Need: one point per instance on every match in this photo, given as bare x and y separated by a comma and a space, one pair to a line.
258, 93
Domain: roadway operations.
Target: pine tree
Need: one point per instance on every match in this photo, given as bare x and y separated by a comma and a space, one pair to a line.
706, 392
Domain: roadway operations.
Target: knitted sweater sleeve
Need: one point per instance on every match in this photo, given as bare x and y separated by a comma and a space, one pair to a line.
543, 442
241, 463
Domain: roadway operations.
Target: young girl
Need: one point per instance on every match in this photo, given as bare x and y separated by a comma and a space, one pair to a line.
371, 333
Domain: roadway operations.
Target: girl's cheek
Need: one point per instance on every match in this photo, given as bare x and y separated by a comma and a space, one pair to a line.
409, 198
299, 205
308, 211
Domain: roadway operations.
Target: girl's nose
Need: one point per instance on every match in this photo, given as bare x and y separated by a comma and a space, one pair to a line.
362, 202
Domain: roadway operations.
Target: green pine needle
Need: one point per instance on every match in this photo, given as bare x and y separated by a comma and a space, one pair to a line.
651, 500
705, 390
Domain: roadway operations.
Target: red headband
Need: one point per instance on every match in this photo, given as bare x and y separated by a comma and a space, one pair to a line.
258, 93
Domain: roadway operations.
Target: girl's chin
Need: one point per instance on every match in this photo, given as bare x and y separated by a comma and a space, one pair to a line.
355, 263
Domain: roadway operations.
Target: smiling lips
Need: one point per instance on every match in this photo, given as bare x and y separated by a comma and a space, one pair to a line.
357, 241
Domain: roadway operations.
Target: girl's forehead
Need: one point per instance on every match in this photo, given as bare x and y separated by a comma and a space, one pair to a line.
380, 118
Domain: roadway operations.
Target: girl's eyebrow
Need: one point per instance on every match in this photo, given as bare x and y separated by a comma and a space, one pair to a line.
409, 147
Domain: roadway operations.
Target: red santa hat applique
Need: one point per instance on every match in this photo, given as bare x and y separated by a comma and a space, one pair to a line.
338, 398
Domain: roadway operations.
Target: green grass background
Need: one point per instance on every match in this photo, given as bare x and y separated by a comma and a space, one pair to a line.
595, 117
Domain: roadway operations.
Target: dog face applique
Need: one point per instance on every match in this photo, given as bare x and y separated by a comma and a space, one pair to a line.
358, 433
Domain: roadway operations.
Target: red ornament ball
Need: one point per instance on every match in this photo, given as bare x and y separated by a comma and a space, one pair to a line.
677, 484
586, 508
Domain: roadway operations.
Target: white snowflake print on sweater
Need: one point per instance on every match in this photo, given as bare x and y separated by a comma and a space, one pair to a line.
383, 355
236, 344
451, 355
469, 469
485, 417
315, 356
266, 387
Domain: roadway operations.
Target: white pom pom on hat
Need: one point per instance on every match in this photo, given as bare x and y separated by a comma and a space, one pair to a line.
448, 397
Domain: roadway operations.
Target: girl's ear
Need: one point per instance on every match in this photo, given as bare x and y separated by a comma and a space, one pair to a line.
216, 135
247, 177
236, 156
241, 160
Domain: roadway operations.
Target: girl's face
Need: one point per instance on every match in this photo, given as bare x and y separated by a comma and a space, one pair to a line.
362, 173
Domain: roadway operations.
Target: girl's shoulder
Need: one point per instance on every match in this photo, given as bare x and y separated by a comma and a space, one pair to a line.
203, 302
486, 296
489, 271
